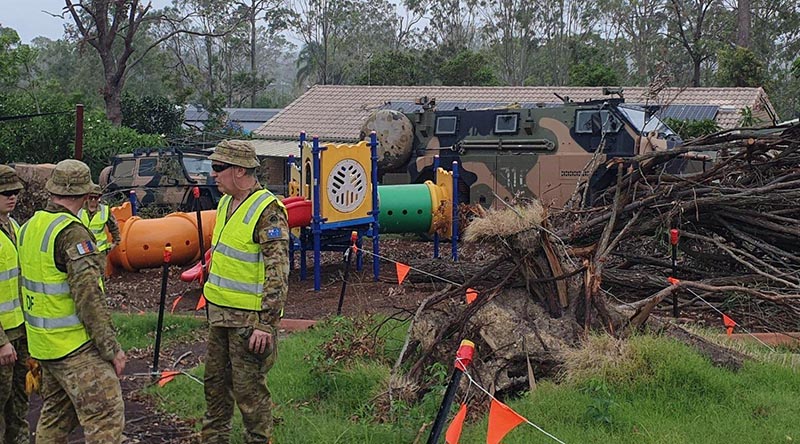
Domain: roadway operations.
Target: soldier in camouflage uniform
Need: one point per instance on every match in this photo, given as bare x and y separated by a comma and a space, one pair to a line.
246, 290
68, 323
97, 217
13, 345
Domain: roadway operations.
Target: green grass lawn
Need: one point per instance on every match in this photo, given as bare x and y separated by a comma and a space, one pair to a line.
138, 330
658, 392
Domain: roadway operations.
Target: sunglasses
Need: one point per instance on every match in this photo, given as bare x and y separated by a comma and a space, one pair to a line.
10, 193
220, 167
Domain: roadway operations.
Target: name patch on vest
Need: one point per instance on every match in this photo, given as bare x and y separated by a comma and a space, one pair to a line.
85, 248
274, 233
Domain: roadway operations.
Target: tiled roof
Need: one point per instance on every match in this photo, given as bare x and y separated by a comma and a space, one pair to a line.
336, 112
276, 148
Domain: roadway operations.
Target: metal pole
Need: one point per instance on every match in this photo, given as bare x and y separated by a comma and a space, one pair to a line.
199, 216
674, 235
316, 220
435, 233
376, 229
161, 303
348, 254
454, 240
79, 132
132, 198
463, 359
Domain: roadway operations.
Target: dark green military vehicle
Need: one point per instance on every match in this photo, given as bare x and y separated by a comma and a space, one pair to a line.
162, 177
522, 150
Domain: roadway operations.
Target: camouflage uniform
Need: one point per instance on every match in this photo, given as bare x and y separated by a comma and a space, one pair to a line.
82, 387
13, 399
232, 371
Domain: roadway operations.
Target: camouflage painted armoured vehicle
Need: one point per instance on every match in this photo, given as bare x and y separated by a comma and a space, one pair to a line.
162, 177
526, 150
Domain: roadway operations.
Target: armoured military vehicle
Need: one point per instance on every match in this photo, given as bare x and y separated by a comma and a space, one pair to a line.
514, 151
162, 177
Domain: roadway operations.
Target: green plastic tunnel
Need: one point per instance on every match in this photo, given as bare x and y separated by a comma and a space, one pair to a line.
405, 208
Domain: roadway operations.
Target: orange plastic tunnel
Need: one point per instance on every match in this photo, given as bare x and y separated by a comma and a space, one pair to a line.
143, 240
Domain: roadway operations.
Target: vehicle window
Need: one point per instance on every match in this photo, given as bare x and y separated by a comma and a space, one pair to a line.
147, 167
505, 123
583, 121
588, 122
124, 168
196, 165
446, 125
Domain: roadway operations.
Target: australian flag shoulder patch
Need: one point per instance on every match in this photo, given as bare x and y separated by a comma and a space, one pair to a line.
85, 247
274, 233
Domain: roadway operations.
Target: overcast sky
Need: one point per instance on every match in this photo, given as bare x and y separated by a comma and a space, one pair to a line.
27, 18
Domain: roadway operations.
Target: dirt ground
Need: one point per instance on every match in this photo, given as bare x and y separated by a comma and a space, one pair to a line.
140, 292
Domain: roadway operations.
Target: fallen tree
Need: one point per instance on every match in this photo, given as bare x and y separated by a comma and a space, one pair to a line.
605, 268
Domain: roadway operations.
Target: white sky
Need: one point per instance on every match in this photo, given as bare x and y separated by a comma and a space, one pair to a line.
27, 18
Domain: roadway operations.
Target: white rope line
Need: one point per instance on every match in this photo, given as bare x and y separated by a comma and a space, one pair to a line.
723, 314
410, 267
472, 381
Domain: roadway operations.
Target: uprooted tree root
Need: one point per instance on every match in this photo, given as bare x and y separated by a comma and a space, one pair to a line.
739, 239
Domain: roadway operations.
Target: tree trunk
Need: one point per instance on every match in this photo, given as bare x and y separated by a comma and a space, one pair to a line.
253, 91
696, 62
743, 24
112, 96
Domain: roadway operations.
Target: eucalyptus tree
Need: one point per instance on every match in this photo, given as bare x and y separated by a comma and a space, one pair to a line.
111, 27
340, 36
698, 27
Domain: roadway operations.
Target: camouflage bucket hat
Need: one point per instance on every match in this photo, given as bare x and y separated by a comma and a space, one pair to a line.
9, 180
236, 152
70, 178
97, 190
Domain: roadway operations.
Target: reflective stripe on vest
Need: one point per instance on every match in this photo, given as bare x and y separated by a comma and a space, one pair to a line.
53, 327
10, 310
236, 278
97, 225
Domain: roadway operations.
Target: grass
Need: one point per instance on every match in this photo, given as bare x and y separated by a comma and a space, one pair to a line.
651, 391
138, 330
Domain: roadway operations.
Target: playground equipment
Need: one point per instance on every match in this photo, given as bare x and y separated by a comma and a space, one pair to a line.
341, 183
143, 240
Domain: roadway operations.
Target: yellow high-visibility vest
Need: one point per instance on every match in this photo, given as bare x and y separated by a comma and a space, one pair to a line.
97, 225
54, 329
10, 310
236, 278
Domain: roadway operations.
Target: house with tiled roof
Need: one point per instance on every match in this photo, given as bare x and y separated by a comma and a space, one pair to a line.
335, 113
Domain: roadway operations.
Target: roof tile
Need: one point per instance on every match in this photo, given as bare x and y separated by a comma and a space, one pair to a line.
336, 112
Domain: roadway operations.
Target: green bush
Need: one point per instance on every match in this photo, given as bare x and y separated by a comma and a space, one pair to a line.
690, 129
102, 141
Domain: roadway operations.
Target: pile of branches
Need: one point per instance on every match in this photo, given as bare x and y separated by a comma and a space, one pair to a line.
605, 267
739, 225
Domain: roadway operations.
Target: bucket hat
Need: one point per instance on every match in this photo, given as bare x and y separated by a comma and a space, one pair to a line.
70, 178
236, 152
9, 180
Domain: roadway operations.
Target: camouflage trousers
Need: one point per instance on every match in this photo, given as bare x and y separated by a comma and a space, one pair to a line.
13, 399
84, 389
233, 373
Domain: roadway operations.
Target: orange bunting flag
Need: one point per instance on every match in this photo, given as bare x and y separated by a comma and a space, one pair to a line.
673, 281
200, 303
167, 376
501, 421
729, 324
472, 294
402, 272
175, 303
453, 432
